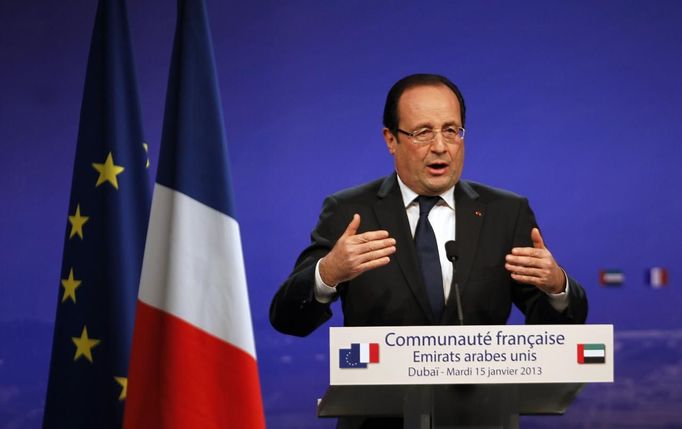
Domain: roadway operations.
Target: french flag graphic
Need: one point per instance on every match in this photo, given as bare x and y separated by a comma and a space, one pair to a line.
657, 277
193, 362
369, 352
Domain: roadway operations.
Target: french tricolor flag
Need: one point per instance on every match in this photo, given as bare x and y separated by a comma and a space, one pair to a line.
193, 362
657, 277
369, 352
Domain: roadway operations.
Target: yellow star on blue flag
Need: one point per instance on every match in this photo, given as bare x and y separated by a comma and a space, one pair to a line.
84, 345
123, 382
108, 171
77, 221
70, 285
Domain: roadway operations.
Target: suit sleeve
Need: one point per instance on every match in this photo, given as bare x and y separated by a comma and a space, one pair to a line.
533, 302
294, 309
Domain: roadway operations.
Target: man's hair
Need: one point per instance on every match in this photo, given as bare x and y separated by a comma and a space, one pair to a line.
391, 107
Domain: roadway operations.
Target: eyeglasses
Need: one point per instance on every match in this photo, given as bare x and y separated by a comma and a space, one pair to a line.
427, 135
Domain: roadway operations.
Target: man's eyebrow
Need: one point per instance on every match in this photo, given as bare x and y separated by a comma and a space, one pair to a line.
422, 125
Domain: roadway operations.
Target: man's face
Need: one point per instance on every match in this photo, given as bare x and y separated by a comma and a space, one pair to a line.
427, 168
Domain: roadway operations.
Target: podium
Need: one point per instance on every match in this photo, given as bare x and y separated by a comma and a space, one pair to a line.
457, 377
447, 406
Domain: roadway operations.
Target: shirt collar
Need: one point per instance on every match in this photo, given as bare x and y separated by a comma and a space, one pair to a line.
409, 195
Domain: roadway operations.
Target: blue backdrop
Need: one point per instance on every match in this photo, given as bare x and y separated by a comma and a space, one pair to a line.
573, 104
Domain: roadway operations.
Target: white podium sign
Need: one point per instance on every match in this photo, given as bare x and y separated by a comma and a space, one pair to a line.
471, 354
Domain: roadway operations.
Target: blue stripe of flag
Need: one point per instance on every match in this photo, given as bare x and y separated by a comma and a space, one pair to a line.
194, 157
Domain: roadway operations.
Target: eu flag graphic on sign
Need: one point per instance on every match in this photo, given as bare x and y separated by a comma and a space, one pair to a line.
350, 358
104, 239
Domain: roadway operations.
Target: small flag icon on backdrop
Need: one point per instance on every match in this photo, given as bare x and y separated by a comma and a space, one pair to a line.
591, 353
611, 277
359, 355
657, 277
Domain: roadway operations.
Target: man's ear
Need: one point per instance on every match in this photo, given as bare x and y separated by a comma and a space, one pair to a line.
391, 140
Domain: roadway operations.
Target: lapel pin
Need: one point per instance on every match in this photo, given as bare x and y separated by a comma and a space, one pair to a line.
478, 213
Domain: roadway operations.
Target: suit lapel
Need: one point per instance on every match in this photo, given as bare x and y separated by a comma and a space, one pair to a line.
470, 212
390, 211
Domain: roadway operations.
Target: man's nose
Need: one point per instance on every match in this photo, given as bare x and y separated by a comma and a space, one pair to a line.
438, 144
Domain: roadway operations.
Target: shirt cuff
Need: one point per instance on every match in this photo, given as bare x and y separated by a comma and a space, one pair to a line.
559, 301
324, 294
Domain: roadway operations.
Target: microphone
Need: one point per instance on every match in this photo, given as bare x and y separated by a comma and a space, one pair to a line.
452, 253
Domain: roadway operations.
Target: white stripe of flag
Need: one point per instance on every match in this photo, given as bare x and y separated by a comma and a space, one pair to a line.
193, 268
594, 353
366, 353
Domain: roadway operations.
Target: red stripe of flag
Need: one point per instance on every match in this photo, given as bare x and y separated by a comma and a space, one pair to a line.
189, 378
374, 353
581, 353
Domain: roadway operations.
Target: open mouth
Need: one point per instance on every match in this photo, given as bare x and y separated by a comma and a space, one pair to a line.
437, 167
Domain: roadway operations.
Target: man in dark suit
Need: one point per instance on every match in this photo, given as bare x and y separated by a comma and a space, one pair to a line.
380, 247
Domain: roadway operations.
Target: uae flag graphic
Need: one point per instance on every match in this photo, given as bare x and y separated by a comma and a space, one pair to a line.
657, 277
591, 353
611, 277
193, 361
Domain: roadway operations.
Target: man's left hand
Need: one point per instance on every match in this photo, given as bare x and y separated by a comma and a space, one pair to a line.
536, 266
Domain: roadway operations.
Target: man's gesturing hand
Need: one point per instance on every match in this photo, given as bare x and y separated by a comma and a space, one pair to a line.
353, 254
536, 266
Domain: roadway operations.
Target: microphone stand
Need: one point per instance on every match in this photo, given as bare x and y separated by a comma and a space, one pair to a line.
451, 252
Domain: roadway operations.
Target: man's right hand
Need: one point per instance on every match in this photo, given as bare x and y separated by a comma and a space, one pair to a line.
353, 254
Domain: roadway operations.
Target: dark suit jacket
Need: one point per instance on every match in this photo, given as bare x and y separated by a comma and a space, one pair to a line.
489, 223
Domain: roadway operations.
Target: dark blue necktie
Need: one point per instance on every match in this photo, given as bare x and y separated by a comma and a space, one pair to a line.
427, 253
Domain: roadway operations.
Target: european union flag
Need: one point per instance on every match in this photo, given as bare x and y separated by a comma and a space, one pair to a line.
104, 241
350, 358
